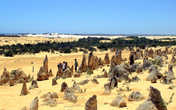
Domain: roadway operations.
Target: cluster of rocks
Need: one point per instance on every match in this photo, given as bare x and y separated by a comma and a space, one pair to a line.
50, 99
93, 62
118, 72
14, 77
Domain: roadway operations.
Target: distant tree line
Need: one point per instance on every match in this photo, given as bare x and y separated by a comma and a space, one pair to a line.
84, 44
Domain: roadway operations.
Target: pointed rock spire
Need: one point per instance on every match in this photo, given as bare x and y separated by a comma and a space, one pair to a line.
24, 90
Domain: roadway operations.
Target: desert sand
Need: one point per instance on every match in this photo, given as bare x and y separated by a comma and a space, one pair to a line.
10, 98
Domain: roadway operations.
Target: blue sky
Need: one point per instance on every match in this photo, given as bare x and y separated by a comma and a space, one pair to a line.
88, 16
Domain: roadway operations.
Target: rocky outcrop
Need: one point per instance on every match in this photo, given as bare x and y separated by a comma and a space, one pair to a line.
151, 53
4, 77
154, 102
119, 101
95, 81
63, 86
69, 95
147, 105
50, 99
154, 74
146, 63
83, 82
34, 105
43, 73
93, 61
76, 88
15, 76
54, 82
169, 75
24, 90
106, 59
119, 71
45, 64
132, 58
83, 66
107, 89
115, 60
33, 84
155, 97
91, 104
135, 96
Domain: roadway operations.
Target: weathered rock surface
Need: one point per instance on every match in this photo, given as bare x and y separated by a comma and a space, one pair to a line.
24, 90
135, 96
34, 84
91, 104
119, 101
69, 95
63, 86
50, 99
54, 82
106, 59
34, 105
83, 82
147, 105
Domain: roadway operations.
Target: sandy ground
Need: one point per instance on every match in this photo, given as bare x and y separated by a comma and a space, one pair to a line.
31, 40
10, 98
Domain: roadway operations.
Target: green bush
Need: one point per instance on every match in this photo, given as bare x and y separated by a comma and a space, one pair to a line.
9, 53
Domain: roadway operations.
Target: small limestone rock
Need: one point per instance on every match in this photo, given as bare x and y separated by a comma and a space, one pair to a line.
54, 82
63, 86
33, 84
34, 104
69, 95
171, 87
76, 88
147, 105
95, 81
91, 104
135, 96
119, 101
83, 82
77, 75
50, 99
24, 90
107, 90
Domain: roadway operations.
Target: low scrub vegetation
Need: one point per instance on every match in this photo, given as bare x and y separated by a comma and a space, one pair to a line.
84, 44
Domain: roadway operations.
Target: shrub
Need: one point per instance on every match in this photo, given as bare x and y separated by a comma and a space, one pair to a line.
9, 53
